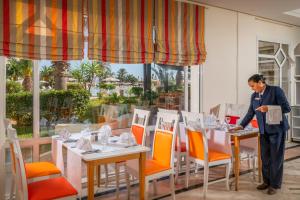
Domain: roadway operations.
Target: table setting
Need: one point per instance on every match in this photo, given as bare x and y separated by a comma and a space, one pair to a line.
89, 145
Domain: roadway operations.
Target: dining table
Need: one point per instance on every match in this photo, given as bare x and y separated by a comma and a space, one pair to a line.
101, 154
236, 138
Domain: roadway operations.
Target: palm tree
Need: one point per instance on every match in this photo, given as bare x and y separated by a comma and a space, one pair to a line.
20, 68
13, 71
60, 74
87, 72
27, 66
46, 73
121, 74
162, 74
131, 79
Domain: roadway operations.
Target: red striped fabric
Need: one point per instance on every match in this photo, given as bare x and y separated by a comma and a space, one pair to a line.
143, 31
187, 41
6, 31
120, 31
103, 11
65, 28
41, 29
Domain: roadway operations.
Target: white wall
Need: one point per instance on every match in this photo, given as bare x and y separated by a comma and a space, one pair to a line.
231, 44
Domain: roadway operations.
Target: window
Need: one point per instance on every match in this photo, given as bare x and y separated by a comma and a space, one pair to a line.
274, 64
19, 95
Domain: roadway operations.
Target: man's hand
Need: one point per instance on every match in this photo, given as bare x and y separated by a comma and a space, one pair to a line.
262, 109
236, 129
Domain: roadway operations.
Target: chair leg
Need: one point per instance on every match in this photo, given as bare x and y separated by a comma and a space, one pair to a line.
254, 166
205, 182
248, 161
177, 165
172, 186
98, 175
106, 175
146, 189
155, 186
187, 175
196, 168
228, 169
127, 182
117, 172
12, 188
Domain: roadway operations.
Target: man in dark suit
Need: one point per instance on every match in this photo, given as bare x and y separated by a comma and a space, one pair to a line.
272, 137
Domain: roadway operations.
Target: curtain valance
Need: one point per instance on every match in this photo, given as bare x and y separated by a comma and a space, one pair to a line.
41, 29
179, 33
120, 31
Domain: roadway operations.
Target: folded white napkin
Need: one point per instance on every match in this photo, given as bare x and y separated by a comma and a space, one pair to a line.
274, 115
127, 138
104, 134
84, 144
65, 134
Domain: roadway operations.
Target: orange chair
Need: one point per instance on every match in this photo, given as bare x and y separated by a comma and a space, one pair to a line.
138, 129
180, 146
162, 162
34, 171
53, 188
200, 153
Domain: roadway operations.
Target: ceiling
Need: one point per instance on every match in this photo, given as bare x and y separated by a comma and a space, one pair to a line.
270, 9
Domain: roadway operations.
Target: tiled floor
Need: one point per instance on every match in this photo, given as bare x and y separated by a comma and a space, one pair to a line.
290, 189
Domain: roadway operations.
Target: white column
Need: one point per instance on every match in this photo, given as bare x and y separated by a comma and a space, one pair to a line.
2, 129
36, 109
195, 88
186, 86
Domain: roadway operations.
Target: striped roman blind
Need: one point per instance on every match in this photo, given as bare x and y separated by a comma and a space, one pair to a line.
120, 31
180, 33
41, 29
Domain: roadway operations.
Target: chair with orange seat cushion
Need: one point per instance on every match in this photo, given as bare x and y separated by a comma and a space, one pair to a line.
53, 188
162, 162
138, 129
34, 171
180, 145
198, 150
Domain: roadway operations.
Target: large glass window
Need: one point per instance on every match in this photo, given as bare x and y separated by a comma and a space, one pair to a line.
19, 95
274, 64
168, 82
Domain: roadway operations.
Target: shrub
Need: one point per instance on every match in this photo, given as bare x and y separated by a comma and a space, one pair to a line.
74, 86
137, 91
19, 105
13, 87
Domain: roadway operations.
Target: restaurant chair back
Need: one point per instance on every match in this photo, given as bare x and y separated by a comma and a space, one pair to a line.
180, 146
200, 151
140, 121
215, 110
162, 162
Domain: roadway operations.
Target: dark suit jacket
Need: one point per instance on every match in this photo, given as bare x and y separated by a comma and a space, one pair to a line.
273, 95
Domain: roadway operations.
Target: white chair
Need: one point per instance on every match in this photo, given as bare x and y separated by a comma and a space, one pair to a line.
248, 147
138, 129
215, 110
162, 162
201, 151
53, 188
34, 171
180, 146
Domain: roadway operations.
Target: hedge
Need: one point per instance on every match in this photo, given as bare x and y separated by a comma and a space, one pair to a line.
19, 105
